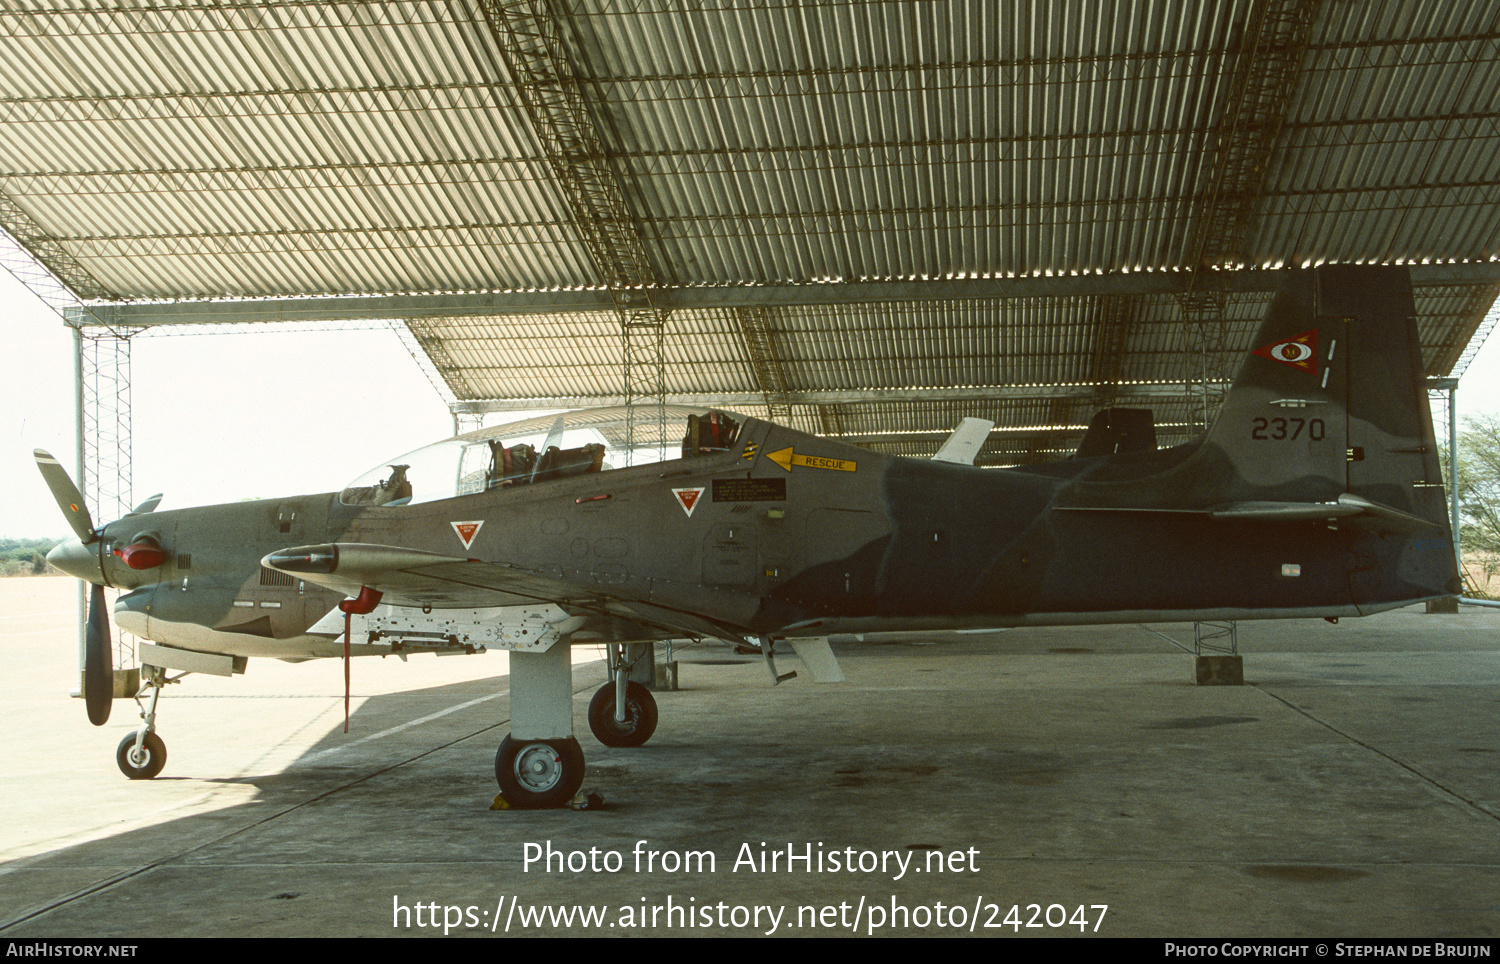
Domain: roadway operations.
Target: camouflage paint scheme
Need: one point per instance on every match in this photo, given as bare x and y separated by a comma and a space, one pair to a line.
1242, 523
1316, 493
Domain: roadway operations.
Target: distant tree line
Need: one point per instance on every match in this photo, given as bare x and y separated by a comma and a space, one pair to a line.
1479, 492
25, 557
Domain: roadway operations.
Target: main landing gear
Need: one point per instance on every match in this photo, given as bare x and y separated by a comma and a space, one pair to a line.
639, 721
540, 764
623, 712
539, 774
142, 754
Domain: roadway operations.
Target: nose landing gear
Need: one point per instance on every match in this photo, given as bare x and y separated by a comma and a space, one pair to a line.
143, 754
141, 757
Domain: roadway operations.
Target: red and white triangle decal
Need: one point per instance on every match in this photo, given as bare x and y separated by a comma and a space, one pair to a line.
467, 531
1300, 353
688, 499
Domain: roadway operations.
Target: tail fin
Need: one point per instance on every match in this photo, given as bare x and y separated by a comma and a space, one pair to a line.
1330, 401
1322, 455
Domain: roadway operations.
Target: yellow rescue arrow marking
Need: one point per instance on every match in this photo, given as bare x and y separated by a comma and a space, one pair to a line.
786, 458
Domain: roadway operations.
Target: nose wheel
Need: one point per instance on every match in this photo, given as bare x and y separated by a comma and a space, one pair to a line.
539, 774
141, 762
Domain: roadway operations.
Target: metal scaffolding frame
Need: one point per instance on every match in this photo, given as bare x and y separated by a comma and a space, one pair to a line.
538, 43
104, 427
1267, 51
550, 158
758, 329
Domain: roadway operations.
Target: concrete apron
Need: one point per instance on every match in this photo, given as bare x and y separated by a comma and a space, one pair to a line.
1041, 782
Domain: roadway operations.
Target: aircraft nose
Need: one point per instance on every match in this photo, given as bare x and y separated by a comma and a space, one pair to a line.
77, 559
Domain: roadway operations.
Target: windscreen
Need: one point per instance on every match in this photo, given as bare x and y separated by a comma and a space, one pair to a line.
541, 449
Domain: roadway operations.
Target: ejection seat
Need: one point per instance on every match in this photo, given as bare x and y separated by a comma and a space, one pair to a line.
560, 463
509, 466
707, 434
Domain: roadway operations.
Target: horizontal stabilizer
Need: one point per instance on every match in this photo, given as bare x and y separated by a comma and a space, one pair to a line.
965, 442
1283, 511
1386, 518
1351, 508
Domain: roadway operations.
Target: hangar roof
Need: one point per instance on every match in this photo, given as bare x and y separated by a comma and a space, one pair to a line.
869, 218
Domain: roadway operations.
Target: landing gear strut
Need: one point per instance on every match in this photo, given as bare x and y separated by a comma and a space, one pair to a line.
142, 754
540, 764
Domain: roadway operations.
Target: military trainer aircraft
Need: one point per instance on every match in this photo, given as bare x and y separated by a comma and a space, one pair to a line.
1316, 493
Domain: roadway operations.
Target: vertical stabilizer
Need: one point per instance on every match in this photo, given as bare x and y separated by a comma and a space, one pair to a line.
1317, 488
1331, 399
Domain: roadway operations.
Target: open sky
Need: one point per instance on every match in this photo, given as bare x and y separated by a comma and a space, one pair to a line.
219, 418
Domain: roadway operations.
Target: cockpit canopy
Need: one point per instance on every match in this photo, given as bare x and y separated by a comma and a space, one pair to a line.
537, 450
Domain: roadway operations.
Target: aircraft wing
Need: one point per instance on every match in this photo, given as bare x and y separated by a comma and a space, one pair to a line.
414, 578
410, 577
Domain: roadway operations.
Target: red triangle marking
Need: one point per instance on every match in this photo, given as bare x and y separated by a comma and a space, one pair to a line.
688, 498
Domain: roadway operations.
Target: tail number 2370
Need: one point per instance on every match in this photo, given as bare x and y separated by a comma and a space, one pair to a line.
1286, 429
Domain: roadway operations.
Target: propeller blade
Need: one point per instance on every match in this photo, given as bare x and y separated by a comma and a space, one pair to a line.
69, 499
98, 664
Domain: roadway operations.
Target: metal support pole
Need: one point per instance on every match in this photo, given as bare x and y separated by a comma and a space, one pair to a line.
81, 476
1453, 472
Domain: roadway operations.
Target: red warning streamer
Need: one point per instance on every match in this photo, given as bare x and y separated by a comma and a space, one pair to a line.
363, 605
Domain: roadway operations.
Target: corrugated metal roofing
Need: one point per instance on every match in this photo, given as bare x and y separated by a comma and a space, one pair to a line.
185, 149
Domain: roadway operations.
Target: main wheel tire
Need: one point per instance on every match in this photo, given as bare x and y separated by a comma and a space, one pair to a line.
539, 774
152, 758
640, 716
